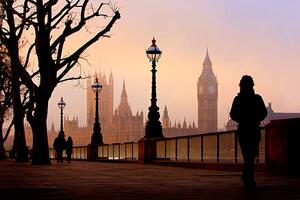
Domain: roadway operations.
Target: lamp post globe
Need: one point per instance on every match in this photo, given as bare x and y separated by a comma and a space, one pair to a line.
153, 52
97, 138
153, 126
61, 104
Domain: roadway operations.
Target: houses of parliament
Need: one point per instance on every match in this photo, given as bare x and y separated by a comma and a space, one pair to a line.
122, 125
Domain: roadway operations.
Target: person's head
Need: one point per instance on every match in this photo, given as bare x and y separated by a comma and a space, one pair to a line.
246, 83
61, 134
69, 138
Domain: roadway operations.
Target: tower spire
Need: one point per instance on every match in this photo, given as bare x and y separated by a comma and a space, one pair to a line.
124, 93
207, 62
124, 108
166, 112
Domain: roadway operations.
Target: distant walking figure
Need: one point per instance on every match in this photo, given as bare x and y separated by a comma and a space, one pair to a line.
59, 146
69, 148
248, 110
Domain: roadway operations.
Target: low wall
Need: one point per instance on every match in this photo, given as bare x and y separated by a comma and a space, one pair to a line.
283, 147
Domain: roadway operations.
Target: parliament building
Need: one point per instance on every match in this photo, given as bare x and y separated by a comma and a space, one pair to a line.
122, 125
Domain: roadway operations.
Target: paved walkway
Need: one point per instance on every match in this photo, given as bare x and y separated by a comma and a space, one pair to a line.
97, 180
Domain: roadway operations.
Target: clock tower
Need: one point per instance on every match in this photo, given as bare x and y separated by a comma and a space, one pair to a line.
207, 93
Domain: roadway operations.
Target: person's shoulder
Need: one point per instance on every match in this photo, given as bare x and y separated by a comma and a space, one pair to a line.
236, 98
258, 96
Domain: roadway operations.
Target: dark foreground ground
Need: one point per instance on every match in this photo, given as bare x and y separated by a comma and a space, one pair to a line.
97, 180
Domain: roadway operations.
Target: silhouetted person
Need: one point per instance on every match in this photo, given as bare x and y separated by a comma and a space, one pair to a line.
248, 110
59, 146
69, 148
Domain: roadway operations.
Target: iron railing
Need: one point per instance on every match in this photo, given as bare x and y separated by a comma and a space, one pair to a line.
210, 147
116, 151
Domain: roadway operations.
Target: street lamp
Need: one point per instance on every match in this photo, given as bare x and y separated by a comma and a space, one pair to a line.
97, 138
153, 126
61, 104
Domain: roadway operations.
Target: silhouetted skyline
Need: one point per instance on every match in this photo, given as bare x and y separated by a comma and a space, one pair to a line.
248, 37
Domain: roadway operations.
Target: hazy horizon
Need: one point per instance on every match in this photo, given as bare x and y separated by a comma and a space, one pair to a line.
243, 37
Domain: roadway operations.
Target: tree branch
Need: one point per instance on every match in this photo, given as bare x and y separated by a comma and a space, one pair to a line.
77, 53
70, 65
8, 130
26, 21
51, 3
28, 55
72, 78
69, 31
63, 13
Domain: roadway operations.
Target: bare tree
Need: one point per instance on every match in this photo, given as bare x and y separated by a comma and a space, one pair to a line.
19, 145
6, 102
5, 98
52, 23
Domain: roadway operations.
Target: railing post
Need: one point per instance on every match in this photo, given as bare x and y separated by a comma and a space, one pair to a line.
188, 148
119, 151
165, 148
85, 155
202, 159
99, 151
125, 152
235, 147
218, 147
113, 151
132, 151
107, 151
102, 151
80, 154
147, 150
91, 152
176, 158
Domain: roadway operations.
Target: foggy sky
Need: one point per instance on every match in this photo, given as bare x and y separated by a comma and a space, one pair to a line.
259, 38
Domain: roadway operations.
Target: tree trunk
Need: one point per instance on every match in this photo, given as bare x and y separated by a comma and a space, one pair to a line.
2, 149
20, 148
38, 122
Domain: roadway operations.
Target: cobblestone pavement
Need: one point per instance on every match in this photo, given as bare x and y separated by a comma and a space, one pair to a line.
98, 180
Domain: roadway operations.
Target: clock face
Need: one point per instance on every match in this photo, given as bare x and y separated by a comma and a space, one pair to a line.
211, 89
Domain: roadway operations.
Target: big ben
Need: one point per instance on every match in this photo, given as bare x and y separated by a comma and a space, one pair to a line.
207, 93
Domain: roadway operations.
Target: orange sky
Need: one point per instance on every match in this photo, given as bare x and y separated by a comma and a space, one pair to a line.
249, 37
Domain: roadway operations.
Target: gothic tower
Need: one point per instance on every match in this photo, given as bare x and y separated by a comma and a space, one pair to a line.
207, 93
105, 103
124, 122
165, 118
124, 108
90, 102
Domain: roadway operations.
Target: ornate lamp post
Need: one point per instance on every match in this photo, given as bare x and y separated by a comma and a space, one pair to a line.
153, 126
61, 104
97, 138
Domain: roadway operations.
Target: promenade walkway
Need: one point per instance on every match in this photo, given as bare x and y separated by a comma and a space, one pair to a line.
98, 180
